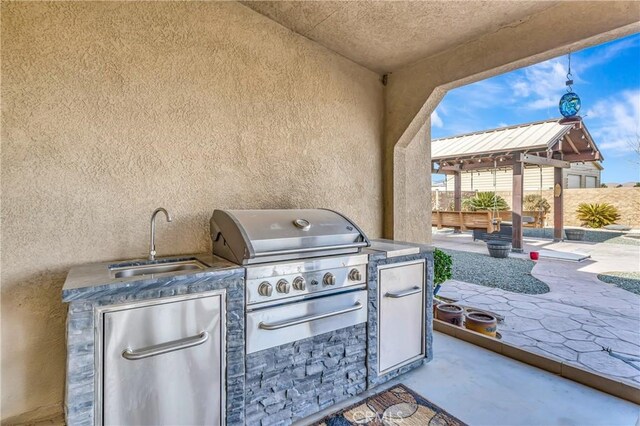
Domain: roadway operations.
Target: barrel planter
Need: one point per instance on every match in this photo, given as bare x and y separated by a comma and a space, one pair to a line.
499, 249
450, 313
481, 322
574, 234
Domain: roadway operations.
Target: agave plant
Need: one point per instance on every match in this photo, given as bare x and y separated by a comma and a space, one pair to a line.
537, 203
597, 215
485, 201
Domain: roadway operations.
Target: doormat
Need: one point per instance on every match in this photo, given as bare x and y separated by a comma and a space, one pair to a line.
397, 405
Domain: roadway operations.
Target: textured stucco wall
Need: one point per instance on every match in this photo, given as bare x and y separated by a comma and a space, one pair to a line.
112, 109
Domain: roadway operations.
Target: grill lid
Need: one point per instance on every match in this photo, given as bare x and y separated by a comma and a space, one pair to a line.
257, 236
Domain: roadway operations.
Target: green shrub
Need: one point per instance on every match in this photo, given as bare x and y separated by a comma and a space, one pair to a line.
536, 203
485, 201
597, 215
442, 266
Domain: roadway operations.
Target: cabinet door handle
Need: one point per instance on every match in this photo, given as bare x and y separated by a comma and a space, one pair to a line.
307, 318
163, 348
403, 293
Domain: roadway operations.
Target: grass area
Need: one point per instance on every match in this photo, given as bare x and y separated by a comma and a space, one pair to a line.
508, 274
629, 281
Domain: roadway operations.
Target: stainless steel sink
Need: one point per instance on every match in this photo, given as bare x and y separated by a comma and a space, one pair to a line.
156, 268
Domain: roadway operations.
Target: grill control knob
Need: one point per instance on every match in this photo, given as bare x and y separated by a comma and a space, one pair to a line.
299, 283
283, 286
329, 279
355, 275
265, 289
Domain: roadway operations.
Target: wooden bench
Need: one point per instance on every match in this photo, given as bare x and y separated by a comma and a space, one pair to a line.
464, 221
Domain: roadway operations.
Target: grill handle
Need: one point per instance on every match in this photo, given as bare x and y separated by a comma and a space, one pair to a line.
404, 293
307, 318
310, 249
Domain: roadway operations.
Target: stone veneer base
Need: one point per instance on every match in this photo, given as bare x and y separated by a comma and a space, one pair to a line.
80, 387
298, 379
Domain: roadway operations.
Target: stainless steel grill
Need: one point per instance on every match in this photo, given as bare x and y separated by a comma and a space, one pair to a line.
256, 236
304, 271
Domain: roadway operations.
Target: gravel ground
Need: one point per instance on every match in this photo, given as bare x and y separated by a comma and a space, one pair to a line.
591, 235
629, 281
507, 274
624, 241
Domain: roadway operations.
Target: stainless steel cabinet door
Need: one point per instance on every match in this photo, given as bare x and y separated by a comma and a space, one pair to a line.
401, 309
163, 363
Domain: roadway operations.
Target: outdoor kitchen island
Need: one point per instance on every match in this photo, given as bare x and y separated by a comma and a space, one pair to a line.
291, 381
238, 340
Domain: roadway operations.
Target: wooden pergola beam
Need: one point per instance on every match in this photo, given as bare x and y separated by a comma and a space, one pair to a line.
543, 161
483, 165
583, 156
572, 144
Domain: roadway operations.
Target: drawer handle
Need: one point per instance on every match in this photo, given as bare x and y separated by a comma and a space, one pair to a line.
163, 348
307, 318
404, 293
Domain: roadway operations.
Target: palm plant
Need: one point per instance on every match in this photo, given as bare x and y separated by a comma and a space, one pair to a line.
485, 201
597, 215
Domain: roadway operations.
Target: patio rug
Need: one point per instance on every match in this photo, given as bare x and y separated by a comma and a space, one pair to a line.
397, 405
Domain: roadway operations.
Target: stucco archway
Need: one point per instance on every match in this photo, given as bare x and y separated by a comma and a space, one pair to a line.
407, 151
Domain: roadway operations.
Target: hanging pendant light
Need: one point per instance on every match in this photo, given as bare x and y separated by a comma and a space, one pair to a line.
569, 104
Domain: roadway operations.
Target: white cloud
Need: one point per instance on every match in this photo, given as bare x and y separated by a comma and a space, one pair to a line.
543, 83
436, 121
614, 122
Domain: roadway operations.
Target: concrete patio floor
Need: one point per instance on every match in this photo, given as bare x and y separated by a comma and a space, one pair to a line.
481, 387
577, 318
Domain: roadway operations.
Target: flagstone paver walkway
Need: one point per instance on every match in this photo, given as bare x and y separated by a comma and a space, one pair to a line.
577, 318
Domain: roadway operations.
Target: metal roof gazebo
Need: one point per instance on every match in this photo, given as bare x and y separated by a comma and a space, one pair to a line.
544, 143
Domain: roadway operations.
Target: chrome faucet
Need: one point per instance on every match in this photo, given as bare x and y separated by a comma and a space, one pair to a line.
152, 243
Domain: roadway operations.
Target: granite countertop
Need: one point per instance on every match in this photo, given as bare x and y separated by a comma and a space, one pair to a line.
91, 279
392, 248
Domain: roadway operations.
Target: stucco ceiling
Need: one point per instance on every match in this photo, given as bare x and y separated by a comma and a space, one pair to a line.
387, 35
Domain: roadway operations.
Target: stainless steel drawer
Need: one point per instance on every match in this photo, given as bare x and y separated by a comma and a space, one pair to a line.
275, 326
163, 362
401, 312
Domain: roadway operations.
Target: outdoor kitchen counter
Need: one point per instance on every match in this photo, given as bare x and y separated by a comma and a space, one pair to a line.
384, 249
94, 281
92, 286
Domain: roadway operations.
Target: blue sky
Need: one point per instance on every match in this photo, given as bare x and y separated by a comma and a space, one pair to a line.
607, 79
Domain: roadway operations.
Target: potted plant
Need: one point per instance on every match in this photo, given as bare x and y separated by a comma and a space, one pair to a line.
442, 263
